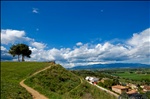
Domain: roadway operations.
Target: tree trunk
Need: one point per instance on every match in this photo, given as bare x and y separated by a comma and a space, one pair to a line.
18, 59
22, 58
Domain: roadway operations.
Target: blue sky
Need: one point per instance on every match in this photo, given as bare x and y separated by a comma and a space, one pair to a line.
72, 27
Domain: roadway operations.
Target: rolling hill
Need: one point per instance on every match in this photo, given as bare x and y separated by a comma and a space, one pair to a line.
59, 83
55, 82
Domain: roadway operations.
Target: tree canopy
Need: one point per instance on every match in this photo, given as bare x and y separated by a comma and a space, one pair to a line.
20, 49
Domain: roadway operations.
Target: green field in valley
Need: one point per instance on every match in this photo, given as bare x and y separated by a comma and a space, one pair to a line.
133, 76
12, 73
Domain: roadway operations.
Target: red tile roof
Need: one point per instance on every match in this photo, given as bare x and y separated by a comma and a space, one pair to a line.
132, 92
147, 87
119, 87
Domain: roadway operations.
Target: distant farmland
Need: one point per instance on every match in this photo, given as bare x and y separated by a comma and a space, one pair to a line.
133, 76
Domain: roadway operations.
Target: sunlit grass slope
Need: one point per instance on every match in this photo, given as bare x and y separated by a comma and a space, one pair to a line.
59, 83
12, 73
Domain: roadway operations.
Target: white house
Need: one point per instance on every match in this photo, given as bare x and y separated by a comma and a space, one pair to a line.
92, 79
87, 78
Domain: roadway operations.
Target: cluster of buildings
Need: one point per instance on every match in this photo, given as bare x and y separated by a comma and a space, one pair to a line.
129, 88
93, 80
120, 89
145, 88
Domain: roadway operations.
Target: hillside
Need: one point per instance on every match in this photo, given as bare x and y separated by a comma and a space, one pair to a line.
12, 73
59, 83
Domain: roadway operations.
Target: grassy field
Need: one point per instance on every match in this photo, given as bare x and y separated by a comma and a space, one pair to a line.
12, 73
58, 83
55, 83
133, 76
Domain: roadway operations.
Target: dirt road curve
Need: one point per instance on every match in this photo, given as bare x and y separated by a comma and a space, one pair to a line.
108, 91
35, 94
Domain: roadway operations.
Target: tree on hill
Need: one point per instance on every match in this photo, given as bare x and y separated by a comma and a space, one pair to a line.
20, 49
25, 51
15, 50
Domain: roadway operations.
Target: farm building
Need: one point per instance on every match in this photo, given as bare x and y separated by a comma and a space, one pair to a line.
132, 92
119, 89
87, 78
146, 88
92, 79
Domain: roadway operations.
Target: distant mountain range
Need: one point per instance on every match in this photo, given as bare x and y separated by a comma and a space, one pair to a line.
113, 65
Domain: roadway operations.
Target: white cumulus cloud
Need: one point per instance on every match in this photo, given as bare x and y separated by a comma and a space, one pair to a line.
5, 56
140, 45
35, 10
3, 48
139, 39
38, 45
136, 49
79, 44
10, 36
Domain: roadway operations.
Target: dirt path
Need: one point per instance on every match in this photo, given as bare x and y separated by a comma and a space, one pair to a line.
81, 81
35, 94
108, 91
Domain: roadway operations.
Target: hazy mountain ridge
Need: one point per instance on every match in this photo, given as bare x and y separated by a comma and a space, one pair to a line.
113, 65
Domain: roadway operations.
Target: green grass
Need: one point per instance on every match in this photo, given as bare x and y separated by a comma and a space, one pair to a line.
12, 73
58, 83
133, 76
55, 83
88, 91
